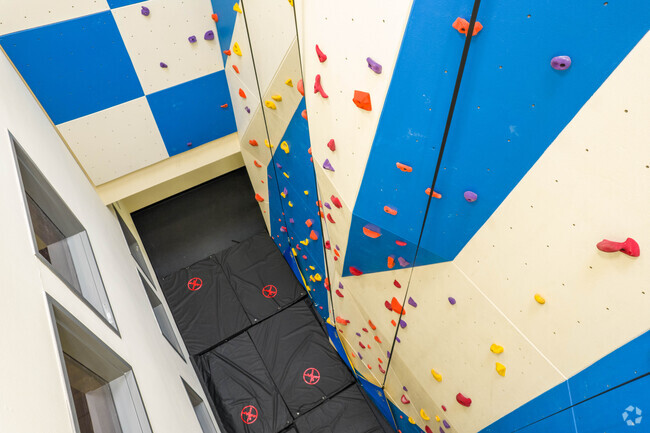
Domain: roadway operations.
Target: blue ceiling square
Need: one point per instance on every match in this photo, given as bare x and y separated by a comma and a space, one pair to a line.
75, 67
195, 112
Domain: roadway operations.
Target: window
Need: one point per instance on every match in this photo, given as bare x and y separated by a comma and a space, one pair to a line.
134, 247
103, 392
201, 410
61, 241
161, 316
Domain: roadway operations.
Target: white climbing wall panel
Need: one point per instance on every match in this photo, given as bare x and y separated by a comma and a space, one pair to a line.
27, 14
154, 39
592, 183
348, 32
115, 141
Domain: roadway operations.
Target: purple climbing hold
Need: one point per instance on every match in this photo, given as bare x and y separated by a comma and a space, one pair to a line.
470, 196
441, 430
358, 335
402, 323
360, 357
387, 354
145, 11
209, 35
337, 247
285, 191
404, 388
278, 165
452, 301
402, 262
445, 423
327, 165
340, 285
412, 303
398, 340
192, 39
291, 220
163, 65
283, 229
561, 63
327, 205
248, 110
376, 67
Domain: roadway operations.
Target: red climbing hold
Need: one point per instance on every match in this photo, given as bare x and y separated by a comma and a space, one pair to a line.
235, 68
318, 87
464, 401
629, 247
400, 243
387, 305
444, 408
215, 18
355, 271
336, 202
405, 168
257, 164
362, 345
342, 321
242, 94
462, 26
252, 142
427, 429
321, 55
381, 369
405, 400
301, 87
313, 235
259, 198
338, 293
364, 329
362, 100
396, 306
330, 219
397, 284
328, 245
331, 145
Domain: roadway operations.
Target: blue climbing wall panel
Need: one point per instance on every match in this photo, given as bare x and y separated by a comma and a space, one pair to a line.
226, 23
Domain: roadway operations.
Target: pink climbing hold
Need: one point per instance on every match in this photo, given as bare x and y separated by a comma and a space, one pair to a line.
318, 87
470, 196
629, 247
301, 87
321, 55
462, 400
327, 165
355, 271
402, 262
405, 400
328, 245
331, 145
336, 202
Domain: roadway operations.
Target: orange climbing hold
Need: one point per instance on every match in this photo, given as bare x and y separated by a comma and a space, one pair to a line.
371, 233
304, 114
215, 18
235, 68
433, 194
396, 306
224, 106
462, 26
242, 93
393, 322
400, 243
390, 210
313, 235
227, 52
342, 321
391, 262
259, 198
362, 100
252, 142
372, 325
377, 339
257, 164
405, 168
309, 223
301, 87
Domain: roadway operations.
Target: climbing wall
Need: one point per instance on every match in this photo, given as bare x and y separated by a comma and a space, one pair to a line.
264, 76
466, 279
127, 83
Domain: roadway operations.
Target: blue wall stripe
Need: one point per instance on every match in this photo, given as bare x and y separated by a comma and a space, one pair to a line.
226, 24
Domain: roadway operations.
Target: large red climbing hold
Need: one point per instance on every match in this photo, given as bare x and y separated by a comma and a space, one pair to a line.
321, 55
462, 400
362, 100
259, 198
257, 164
462, 26
400, 243
629, 247
355, 271
336, 202
396, 306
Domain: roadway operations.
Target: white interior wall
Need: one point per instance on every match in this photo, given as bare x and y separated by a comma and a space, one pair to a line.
33, 397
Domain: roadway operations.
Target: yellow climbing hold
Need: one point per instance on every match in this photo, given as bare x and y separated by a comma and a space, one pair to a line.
437, 376
277, 98
284, 146
295, 253
318, 277
306, 192
289, 82
424, 415
312, 268
236, 8
305, 242
290, 204
236, 49
283, 194
267, 144
437, 418
329, 322
285, 174
270, 104
495, 348
501, 369
291, 2
411, 420
540, 299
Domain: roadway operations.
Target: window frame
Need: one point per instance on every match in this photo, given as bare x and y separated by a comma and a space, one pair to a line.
15, 145
208, 408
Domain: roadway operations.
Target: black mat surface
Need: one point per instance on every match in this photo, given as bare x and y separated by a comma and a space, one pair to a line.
199, 222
